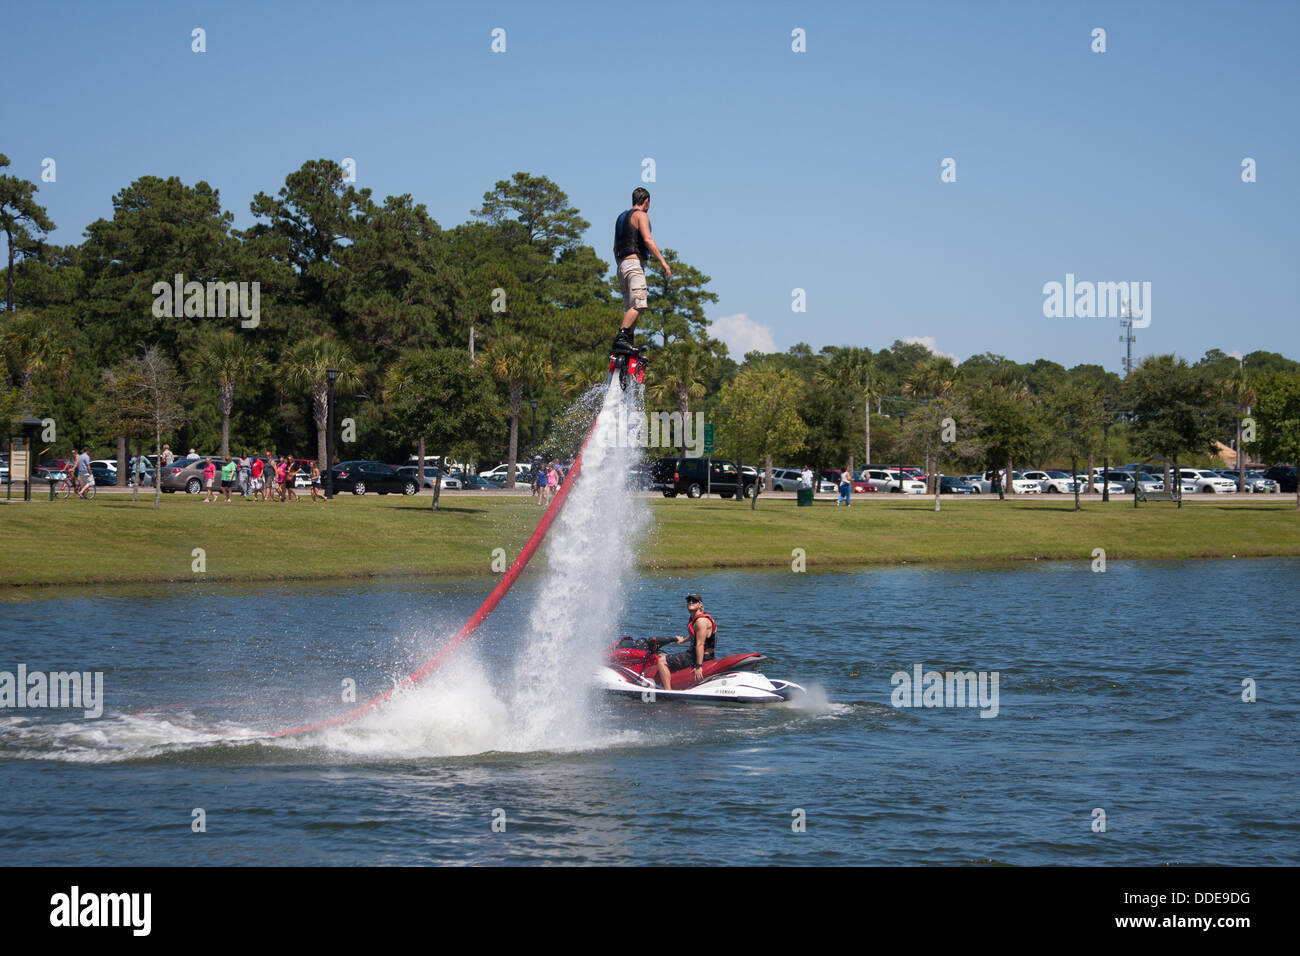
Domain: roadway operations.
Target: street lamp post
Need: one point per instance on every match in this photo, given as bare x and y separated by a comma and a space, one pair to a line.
902, 412
533, 403
330, 374
1105, 450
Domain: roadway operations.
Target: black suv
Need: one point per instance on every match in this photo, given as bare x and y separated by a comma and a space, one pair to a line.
694, 477
1284, 475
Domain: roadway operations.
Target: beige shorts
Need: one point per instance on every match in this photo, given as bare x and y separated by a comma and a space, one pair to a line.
631, 277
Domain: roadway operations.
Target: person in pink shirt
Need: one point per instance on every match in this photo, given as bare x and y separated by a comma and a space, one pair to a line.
209, 473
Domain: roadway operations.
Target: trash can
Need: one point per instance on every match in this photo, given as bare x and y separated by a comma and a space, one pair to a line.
805, 497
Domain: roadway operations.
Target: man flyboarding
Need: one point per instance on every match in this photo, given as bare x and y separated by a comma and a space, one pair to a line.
633, 244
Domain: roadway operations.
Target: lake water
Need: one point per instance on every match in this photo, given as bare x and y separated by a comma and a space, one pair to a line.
1119, 703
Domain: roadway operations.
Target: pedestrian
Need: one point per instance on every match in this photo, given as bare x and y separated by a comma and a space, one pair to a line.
244, 474
255, 479
846, 487
540, 477
291, 481
553, 477
209, 475
316, 490
167, 456
227, 477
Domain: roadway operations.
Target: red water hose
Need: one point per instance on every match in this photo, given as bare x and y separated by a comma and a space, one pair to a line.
487, 607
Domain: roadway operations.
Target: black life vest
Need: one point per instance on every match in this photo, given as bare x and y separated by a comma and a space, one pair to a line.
628, 239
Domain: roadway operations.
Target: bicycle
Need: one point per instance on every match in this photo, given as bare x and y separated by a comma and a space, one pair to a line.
69, 484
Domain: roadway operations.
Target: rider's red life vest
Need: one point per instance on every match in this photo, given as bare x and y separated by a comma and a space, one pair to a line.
708, 641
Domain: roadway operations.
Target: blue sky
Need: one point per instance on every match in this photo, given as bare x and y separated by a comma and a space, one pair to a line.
775, 170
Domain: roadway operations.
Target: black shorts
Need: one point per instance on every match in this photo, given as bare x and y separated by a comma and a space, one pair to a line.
681, 657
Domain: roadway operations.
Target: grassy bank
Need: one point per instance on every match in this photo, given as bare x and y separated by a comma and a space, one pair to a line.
111, 540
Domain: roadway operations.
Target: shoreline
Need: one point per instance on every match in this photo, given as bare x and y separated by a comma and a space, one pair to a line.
111, 542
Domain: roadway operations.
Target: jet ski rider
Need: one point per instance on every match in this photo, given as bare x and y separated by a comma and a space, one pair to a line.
703, 629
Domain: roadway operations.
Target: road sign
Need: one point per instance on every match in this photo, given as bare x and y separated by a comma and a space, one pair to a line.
708, 439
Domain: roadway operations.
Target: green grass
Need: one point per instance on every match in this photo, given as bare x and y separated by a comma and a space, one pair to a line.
111, 540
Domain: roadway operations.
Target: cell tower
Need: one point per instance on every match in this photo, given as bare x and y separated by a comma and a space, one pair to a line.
1128, 338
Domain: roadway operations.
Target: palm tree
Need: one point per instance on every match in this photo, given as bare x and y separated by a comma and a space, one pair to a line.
37, 348
520, 363
582, 371
931, 377
1240, 392
231, 359
679, 374
850, 374
307, 366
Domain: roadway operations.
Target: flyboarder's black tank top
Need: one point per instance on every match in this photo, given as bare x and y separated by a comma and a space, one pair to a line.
627, 239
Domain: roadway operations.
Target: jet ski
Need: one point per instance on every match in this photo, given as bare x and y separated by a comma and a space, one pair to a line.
630, 670
629, 362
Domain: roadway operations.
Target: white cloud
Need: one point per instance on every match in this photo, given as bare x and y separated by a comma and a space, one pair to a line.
742, 334
928, 342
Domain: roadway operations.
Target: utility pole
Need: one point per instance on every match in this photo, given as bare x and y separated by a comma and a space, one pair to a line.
1126, 323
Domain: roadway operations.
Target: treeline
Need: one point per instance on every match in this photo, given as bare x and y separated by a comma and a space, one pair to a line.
473, 338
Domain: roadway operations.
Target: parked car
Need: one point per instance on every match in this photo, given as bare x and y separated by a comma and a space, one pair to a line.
523, 472
695, 477
786, 479
360, 477
52, 469
1257, 483
1207, 482
1052, 482
948, 485
186, 474
878, 478
1254, 482
1145, 482
430, 474
1284, 475
974, 482
989, 481
102, 475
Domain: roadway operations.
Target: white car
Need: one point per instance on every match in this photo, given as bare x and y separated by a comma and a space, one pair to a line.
523, 472
1099, 485
1052, 482
887, 480
1204, 481
911, 486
